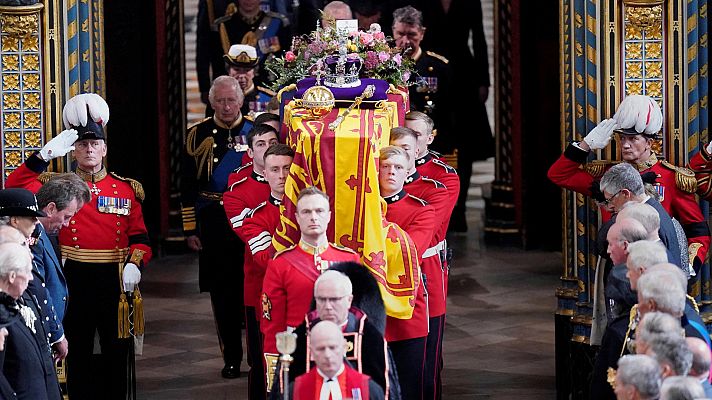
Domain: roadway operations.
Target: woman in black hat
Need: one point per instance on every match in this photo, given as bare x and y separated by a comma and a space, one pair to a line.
18, 208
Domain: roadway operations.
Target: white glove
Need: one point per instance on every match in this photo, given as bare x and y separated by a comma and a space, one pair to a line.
132, 276
59, 145
75, 112
639, 112
709, 148
600, 136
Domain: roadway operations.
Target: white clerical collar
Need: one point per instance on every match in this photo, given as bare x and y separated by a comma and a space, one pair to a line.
336, 375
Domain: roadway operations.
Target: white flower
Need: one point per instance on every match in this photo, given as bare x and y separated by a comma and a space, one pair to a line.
374, 28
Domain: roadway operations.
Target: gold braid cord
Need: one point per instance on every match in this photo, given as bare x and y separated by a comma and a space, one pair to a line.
595, 169
694, 303
203, 154
611, 378
123, 315
684, 178
135, 186
46, 176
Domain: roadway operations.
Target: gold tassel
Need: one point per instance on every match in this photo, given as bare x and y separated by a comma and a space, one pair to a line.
138, 321
123, 317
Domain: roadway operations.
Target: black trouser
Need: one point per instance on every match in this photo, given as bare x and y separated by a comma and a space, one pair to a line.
432, 379
256, 377
95, 290
228, 323
409, 356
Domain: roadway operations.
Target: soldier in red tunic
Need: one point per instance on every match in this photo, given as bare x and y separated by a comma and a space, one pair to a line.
435, 270
105, 245
408, 337
637, 122
332, 378
256, 231
289, 281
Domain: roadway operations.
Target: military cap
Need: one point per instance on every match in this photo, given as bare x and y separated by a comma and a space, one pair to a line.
242, 56
91, 130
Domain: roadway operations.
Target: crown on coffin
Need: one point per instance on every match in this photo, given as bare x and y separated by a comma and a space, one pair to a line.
342, 71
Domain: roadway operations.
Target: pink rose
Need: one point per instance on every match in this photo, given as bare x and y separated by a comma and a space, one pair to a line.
379, 36
371, 60
398, 59
366, 38
383, 56
289, 56
406, 76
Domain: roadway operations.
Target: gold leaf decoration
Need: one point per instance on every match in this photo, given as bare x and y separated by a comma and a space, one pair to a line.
12, 139
9, 43
11, 101
32, 120
580, 228
10, 63
31, 43
644, 17
32, 139
633, 88
654, 32
31, 101
653, 69
653, 50
12, 120
30, 62
10, 82
19, 25
633, 70
654, 88
633, 32
633, 51
12, 158
31, 81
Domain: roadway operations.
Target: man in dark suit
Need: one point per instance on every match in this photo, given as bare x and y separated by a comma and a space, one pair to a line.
59, 199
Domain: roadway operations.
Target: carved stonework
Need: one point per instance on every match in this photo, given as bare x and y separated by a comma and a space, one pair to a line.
19, 26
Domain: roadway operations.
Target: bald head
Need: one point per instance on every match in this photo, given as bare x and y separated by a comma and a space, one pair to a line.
328, 347
700, 357
623, 232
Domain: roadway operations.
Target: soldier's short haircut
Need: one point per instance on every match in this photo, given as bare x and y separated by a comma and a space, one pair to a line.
61, 190
391, 151
311, 191
226, 81
622, 176
643, 213
423, 117
279, 149
259, 130
337, 276
266, 117
14, 257
682, 387
401, 132
646, 253
642, 372
672, 269
672, 349
664, 289
657, 323
408, 15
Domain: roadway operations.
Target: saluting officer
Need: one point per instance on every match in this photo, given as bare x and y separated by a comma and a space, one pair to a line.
214, 148
105, 245
637, 122
241, 62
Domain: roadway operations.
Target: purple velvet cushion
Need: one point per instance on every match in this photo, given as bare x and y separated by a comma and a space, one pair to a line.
348, 93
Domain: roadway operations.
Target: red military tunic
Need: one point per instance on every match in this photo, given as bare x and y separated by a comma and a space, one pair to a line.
435, 168
257, 230
417, 218
675, 185
288, 287
701, 165
110, 228
243, 195
238, 173
436, 195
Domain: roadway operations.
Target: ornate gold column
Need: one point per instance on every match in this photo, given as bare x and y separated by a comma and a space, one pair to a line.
22, 84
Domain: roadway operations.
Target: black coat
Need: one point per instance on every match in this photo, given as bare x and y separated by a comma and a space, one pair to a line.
28, 363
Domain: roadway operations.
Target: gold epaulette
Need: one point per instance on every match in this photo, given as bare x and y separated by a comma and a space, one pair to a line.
249, 117
135, 185
199, 122
684, 177
265, 90
46, 176
340, 247
292, 247
596, 168
438, 56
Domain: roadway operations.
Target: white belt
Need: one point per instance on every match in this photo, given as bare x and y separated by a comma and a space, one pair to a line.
435, 249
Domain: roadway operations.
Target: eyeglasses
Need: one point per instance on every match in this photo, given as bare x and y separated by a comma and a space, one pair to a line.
329, 299
608, 200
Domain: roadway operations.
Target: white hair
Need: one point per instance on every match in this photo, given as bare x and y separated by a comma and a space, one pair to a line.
664, 289
338, 277
642, 372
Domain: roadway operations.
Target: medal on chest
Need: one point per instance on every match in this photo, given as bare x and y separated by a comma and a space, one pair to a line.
95, 190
